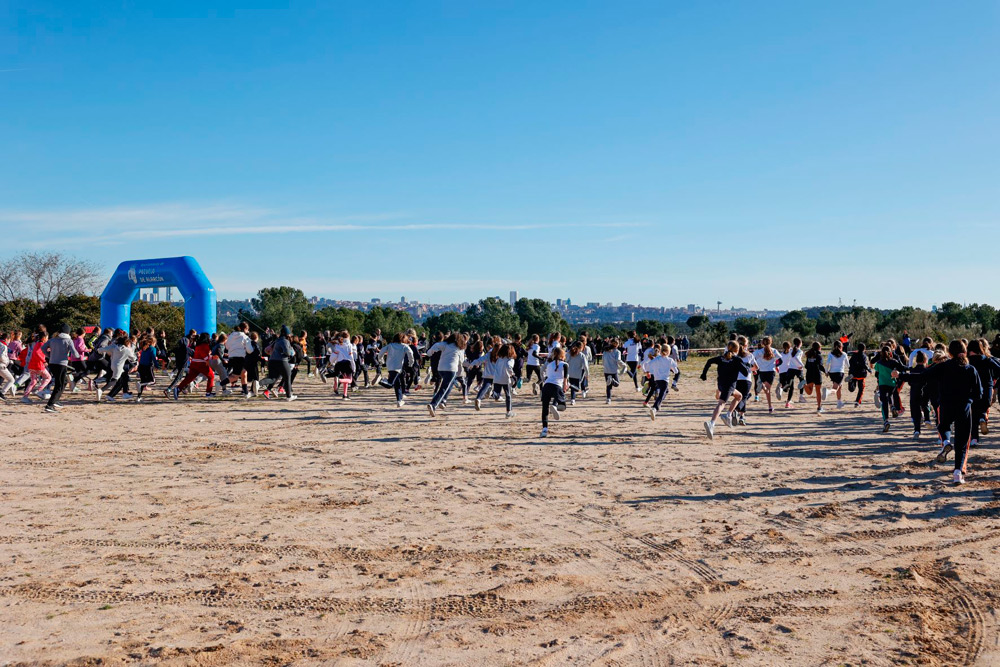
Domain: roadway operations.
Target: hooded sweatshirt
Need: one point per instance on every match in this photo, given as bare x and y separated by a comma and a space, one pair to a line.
60, 350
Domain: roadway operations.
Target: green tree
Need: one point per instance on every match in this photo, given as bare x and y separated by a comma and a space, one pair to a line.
277, 306
495, 316
954, 314
826, 323
161, 316
697, 321
389, 320
799, 322
77, 310
338, 319
649, 328
751, 327
447, 321
538, 316
985, 316
18, 314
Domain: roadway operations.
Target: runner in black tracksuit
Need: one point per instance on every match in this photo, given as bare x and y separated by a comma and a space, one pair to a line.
959, 387
989, 370
731, 365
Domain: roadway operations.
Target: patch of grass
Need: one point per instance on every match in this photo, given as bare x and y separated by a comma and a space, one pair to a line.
105, 607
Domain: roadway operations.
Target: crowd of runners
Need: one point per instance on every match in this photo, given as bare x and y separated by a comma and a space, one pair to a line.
951, 387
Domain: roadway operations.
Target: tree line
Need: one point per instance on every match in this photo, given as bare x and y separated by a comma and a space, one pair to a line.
52, 288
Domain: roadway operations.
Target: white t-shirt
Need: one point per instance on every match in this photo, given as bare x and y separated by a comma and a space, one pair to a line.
631, 350
555, 372
661, 368
751, 361
763, 364
532, 359
835, 364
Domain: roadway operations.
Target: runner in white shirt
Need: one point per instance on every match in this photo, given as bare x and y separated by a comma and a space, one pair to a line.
533, 363
767, 361
791, 369
836, 367
632, 349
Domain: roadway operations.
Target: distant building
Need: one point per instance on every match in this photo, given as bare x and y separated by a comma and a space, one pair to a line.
376, 301
402, 300
513, 298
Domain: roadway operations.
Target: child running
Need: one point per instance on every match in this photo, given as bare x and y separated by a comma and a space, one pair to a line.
814, 375
503, 357
767, 361
836, 367
554, 389
662, 368
959, 387
887, 369
613, 365
730, 366
578, 372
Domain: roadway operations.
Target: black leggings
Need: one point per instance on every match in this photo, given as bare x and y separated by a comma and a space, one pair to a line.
58, 372
505, 388
529, 369
885, 396
743, 386
611, 379
396, 380
551, 393
278, 370
660, 386
632, 365
861, 390
962, 433
120, 385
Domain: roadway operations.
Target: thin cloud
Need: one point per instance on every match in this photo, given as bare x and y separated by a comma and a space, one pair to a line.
123, 224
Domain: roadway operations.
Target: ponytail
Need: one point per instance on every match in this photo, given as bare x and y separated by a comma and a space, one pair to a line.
958, 352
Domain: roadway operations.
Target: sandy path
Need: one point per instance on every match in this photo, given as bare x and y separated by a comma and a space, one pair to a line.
322, 531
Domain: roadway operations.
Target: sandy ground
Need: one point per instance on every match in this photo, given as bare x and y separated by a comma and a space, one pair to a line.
331, 532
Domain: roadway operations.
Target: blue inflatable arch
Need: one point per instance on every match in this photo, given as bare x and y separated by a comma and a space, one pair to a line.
180, 272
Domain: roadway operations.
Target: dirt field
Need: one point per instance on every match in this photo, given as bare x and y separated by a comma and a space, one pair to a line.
331, 532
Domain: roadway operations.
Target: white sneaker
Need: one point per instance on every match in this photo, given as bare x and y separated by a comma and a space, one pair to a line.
607, 401
583, 394
957, 477
554, 413
819, 411
510, 414
430, 409
479, 405
572, 401
727, 419
802, 398
638, 390
227, 392
534, 389
943, 454
400, 404
840, 404
652, 414
710, 429
544, 433
777, 392
825, 393
291, 398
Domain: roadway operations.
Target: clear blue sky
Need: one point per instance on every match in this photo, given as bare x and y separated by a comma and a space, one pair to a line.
768, 154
